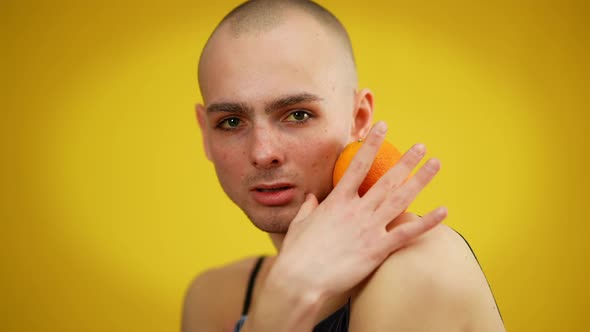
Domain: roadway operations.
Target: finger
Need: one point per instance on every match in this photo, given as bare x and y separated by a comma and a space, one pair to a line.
404, 217
406, 232
395, 177
362, 161
306, 208
399, 199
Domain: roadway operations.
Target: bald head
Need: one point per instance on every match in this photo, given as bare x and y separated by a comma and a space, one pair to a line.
280, 101
263, 15
256, 17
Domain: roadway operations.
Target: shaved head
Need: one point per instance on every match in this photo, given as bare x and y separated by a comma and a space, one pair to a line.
280, 101
260, 15
256, 17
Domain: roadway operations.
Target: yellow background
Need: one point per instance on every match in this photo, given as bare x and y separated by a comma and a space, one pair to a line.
109, 208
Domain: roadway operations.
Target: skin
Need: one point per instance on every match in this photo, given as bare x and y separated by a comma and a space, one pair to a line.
269, 148
256, 144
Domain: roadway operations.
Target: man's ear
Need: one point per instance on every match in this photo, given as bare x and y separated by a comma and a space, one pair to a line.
362, 114
201, 117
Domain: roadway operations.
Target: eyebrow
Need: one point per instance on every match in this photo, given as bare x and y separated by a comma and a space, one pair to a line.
291, 100
229, 107
279, 103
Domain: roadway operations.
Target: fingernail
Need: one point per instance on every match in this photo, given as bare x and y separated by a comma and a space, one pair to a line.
420, 148
381, 127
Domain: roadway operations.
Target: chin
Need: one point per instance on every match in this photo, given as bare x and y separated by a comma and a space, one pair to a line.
272, 220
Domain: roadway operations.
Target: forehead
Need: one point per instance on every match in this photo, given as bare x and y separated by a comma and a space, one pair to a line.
296, 55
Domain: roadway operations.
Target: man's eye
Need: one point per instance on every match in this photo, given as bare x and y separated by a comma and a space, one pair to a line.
230, 123
298, 116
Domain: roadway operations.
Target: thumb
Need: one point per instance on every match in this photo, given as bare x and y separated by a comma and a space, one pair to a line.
310, 203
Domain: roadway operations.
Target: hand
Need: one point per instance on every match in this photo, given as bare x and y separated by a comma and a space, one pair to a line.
331, 247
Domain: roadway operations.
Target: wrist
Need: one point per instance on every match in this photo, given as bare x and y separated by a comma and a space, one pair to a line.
297, 280
287, 302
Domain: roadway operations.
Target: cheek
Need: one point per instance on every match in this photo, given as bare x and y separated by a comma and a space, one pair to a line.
229, 163
329, 144
324, 158
320, 164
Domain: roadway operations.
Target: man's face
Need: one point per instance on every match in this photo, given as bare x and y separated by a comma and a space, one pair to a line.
279, 109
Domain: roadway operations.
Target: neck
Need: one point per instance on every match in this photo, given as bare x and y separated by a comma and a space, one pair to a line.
277, 240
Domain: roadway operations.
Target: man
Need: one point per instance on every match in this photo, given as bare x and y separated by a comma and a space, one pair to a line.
279, 86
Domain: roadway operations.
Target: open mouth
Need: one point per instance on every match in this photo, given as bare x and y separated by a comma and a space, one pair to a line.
270, 190
274, 194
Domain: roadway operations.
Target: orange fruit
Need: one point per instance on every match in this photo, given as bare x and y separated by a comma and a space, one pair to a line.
387, 156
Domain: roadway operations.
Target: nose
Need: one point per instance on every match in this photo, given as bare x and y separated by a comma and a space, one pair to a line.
265, 148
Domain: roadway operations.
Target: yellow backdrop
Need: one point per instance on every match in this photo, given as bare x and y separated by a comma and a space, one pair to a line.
109, 207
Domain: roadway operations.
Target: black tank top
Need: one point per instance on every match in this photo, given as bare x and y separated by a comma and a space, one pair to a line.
336, 322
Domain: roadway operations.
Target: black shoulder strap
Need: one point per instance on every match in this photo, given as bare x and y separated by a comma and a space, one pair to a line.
251, 282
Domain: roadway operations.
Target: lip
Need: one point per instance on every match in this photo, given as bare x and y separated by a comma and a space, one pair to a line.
275, 194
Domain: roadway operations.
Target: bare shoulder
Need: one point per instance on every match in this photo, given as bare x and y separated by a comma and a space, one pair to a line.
432, 284
213, 300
